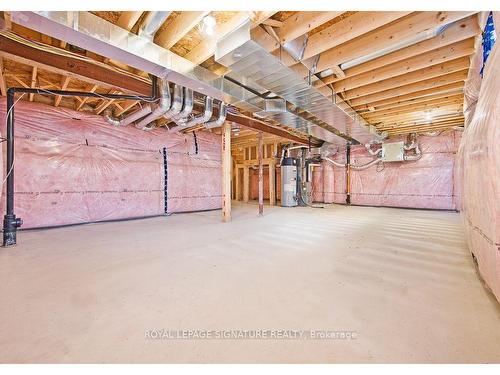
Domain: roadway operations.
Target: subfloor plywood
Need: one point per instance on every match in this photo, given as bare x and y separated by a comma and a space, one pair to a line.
402, 280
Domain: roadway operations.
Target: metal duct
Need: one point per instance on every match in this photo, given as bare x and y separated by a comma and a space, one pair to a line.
204, 117
220, 120
152, 23
162, 107
249, 61
187, 107
140, 113
85, 30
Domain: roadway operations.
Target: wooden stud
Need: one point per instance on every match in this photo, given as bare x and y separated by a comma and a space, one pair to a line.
33, 81
127, 107
260, 150
64, 85
246, 183
82, 103
3, 86
226, 172
237, 195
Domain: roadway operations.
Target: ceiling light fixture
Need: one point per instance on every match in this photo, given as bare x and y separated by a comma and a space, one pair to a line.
207, 25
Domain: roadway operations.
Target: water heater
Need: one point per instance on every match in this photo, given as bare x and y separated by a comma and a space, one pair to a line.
289, 182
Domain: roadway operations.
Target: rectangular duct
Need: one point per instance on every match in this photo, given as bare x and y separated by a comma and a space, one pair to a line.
251, 62
92, 33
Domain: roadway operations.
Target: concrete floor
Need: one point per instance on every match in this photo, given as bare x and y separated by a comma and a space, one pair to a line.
401, 279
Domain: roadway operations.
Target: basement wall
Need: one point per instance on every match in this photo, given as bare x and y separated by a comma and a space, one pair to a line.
73, 167
425, 183
478, 166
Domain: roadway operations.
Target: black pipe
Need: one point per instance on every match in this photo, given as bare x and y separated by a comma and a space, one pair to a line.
10, 221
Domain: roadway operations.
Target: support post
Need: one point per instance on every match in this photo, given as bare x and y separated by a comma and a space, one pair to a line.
246, 183
226, 172
260, 152
348, 174
237, 195
272, 184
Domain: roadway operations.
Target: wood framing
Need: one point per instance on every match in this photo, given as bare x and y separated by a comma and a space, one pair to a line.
226, 172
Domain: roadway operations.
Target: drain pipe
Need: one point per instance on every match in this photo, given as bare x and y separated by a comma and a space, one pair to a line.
10, 221
220, 120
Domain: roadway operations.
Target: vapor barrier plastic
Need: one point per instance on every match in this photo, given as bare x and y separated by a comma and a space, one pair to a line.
478, 174
73, 167
425, 183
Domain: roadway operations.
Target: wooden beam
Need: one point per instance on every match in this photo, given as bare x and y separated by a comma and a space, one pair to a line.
64, 85
226, 171
408, 78
64, 64
464, 29
431, 104
425, 60
127, 20
178, 28
3, 86
270, 30
347, 29
272, 23
33, 81
419, 129
260, 151
441, 110
426, 84
412, 97
409, 124
302, 23
413, 102
407, 27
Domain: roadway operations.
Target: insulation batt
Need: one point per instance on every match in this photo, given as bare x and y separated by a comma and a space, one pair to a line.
478, 168
425, 183
73, 167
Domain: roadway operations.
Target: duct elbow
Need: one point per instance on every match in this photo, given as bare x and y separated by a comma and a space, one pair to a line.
161, 109
220, 120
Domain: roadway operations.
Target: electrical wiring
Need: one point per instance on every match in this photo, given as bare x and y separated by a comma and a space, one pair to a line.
6, 119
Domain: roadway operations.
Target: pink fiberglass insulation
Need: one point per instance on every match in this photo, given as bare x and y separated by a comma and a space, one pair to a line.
317, 185
73, 167
479, 173
425, 183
